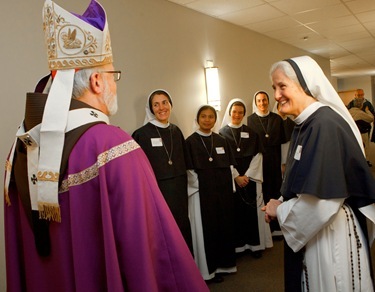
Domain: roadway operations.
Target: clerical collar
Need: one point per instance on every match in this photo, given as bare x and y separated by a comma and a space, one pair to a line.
203, 134
159, 124
235, 126
308, 112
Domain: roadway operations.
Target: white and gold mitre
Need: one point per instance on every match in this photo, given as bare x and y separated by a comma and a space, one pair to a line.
76, 41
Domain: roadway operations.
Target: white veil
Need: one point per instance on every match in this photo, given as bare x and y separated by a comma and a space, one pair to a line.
322, 89
227, 118
150, 117
255, 108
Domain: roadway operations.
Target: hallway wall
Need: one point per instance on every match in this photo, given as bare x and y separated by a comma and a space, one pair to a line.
157, 44
353, 83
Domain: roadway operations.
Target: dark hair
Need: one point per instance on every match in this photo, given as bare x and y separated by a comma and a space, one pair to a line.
158, 92
238, 103
204, 108
262, 92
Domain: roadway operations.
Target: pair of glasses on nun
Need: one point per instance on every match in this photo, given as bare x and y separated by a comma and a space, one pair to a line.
116, 74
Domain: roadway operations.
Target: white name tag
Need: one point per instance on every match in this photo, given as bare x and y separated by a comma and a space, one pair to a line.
297, 155
220, 150
156, 142
244, 135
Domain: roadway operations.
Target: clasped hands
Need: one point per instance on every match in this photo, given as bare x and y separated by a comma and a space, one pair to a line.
242, 181
270, 210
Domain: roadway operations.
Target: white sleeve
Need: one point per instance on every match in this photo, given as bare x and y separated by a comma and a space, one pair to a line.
255, 170
366, 116
369, 212
235, 173
193, 183
301, 218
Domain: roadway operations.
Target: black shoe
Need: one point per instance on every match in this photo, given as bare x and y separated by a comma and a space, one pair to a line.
218, 278
369, 163
256, 254
277, 238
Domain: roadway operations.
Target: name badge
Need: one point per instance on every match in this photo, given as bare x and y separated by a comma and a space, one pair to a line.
244, 135
220, 150
297, 155
156, 142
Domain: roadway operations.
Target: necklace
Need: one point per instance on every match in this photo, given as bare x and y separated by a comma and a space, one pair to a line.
235, 140
266, 135
210, 159
252, 202
165, 148
357, 244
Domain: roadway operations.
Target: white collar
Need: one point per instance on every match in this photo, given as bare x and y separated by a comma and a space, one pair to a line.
203, 134
308, 112
235, 126
261, 114
159, 124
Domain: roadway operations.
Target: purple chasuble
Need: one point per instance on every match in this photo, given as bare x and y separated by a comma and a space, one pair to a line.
116, 234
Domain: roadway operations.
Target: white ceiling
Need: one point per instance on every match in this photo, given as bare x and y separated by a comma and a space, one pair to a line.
340, 30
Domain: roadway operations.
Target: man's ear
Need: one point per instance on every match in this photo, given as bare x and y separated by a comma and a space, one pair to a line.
96, 83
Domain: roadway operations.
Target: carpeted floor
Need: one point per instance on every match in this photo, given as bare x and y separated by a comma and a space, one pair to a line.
256, 275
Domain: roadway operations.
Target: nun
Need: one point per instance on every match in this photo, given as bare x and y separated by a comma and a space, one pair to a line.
326, 212
165, 148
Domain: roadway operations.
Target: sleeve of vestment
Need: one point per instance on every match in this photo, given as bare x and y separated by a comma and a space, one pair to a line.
255, 170
369, 212
302, 217
234, 175
193, 183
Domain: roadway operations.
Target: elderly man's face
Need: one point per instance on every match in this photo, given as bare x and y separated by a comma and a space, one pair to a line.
360, 95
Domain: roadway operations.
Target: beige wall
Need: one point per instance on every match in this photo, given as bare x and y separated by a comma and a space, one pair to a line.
364, 82
347, 95
157, 44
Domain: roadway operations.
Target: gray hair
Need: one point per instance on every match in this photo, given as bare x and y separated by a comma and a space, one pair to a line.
288, 70
82, 81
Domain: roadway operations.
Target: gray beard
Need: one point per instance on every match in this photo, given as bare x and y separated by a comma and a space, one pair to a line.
110, 101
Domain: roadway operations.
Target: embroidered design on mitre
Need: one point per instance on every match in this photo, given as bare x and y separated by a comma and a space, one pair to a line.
72, 42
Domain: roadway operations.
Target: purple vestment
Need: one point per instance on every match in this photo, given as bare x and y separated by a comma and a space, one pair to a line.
116, 233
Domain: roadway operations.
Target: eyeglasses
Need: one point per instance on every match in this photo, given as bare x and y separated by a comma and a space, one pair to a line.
116, 74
